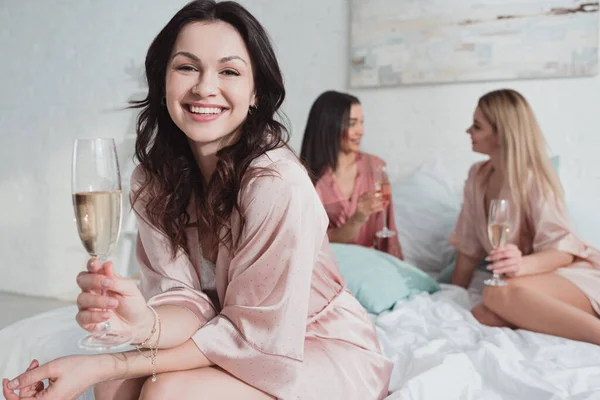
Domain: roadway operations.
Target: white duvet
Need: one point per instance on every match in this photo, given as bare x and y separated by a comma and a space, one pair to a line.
439, 352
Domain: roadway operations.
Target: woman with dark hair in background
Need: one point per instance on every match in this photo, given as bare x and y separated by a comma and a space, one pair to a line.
344, 176
241, 297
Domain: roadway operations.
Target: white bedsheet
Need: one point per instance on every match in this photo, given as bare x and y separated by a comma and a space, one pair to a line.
44, 337
439, 352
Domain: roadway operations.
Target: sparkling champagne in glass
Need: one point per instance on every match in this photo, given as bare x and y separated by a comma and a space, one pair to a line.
498, 231
96, 185
383, 189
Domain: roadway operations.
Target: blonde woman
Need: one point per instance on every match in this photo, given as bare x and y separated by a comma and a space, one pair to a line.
553, 276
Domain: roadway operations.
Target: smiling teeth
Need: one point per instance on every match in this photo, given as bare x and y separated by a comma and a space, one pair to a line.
205, 110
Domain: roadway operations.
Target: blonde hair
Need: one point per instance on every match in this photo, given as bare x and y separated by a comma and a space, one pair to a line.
522, 146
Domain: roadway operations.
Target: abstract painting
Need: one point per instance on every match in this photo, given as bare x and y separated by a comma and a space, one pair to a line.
402, 42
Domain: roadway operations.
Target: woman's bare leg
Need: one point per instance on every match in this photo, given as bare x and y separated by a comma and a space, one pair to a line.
128, 389
487, 317
545, 303
199, 384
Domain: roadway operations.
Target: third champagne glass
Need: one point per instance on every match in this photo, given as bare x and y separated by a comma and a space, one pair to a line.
384, 189
97, 205
498, 230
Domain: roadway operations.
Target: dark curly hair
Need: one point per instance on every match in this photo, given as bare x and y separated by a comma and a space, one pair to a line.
172, 176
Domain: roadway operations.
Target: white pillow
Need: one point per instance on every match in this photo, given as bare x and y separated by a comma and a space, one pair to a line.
426, 209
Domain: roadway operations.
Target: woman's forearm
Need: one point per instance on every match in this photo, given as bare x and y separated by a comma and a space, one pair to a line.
347, 232
545, 261
177, 325
133, 364
463, 270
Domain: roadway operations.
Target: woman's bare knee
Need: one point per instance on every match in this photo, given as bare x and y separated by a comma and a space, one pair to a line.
128, 389
497, 298
198, 384
486, 317
166, 385
174, 385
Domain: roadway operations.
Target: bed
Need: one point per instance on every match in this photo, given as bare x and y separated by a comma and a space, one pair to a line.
439, 350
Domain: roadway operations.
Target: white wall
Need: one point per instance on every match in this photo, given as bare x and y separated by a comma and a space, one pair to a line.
70, 65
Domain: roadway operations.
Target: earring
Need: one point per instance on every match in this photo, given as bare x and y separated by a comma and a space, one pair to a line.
251, 109
163, 101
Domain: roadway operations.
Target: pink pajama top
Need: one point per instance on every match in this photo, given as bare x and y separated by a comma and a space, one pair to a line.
540, 226
283, 321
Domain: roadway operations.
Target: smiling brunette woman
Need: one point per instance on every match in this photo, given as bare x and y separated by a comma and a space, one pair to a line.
241, 297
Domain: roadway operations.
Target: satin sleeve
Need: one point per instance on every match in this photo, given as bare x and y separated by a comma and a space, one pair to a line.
165, 280
552, 226
464, 237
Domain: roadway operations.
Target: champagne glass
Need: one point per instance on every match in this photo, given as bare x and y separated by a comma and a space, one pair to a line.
498, 230
383, 189
96, 185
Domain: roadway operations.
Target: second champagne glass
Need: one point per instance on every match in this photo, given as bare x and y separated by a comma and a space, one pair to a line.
384, 189
96, 185
498, 231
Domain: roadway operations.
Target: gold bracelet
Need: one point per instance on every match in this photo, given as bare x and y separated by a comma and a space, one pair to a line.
154, 347
152, 332
154, 351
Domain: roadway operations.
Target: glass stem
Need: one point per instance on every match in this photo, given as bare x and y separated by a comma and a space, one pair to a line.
105, 325
495, 275
384, 219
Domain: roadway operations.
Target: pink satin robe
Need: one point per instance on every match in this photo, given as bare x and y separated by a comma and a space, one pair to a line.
543, 225
339, 208
285, 322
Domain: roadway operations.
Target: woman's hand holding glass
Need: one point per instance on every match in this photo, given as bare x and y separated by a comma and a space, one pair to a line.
507, 260
368, 203
122, 303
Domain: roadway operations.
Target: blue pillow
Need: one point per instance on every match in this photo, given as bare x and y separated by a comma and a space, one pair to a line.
377, 279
